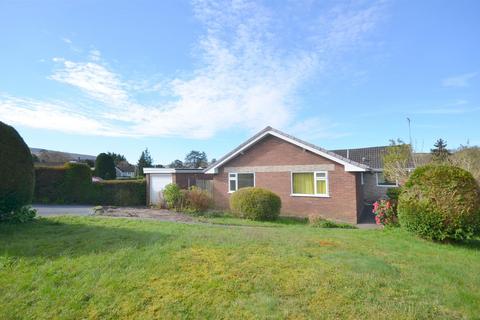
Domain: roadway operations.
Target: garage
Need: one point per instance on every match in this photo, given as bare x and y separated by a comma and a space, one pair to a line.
158, 178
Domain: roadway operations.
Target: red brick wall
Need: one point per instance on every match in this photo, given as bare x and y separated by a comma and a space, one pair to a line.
343, 186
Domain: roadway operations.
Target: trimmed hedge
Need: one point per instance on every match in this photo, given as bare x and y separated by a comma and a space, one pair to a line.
16, 172
120, 193
255, 204
77, 183
72, 184
49, 183
440, 202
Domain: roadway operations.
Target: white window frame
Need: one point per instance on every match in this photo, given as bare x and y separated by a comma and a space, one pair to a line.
385, 185
316, 195
236, 180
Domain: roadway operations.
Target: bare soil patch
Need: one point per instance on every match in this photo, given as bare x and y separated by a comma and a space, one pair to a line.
144, 213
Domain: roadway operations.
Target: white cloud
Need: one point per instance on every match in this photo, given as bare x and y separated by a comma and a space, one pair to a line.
52, 115
93, 79
247, 76
462, 80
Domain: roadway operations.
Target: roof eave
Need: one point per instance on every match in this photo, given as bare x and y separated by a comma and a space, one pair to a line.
349, 165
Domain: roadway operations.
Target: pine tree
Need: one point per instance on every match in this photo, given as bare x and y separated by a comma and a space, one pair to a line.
145, 161
440, 153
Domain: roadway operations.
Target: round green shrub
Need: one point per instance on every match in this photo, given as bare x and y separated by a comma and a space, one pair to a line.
440, 202
255, 204
16, 171
173, 196
105, 167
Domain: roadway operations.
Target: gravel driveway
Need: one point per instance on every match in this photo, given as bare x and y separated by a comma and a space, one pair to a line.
61, 210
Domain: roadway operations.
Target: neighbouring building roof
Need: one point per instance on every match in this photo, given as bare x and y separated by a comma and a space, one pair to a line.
370, 156
124, 166
350, 165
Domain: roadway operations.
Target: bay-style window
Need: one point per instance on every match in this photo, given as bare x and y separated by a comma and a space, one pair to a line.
240, 180
310, 183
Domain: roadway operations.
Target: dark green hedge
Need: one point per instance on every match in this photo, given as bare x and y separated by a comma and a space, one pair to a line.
72, 184
16, 171
120, 193
49, 185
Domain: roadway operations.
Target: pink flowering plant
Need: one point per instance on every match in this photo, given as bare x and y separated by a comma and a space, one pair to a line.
385, 213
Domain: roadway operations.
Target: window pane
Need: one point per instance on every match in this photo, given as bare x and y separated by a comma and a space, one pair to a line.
232, 185
303, 183
383, 181
245, 180
321, 175
232, 175
321, 187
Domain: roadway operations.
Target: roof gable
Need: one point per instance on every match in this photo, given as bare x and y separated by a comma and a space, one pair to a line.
347, 163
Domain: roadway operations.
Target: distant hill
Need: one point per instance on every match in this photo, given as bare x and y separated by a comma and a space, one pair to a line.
59, 156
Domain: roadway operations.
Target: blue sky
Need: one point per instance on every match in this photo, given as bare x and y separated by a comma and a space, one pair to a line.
95, 76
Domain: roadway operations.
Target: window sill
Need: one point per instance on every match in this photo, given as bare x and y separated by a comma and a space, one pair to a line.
387, 185
310, 195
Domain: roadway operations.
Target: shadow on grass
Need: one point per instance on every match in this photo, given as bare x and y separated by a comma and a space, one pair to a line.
470, 244
53, 238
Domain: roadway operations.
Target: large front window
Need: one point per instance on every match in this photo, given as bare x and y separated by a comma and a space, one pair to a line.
310, 183
240, 180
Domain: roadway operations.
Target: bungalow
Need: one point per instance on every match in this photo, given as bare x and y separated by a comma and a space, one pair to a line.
310, 180
339, 184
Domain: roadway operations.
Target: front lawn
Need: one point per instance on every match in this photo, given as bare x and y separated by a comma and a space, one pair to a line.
79, 267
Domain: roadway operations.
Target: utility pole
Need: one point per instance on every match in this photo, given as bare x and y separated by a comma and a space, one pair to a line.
410, 138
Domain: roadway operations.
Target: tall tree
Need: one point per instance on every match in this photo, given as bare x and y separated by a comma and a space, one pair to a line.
104, 167
440, 152
117, 157
397, 161
196, 159
176, 164
145, 161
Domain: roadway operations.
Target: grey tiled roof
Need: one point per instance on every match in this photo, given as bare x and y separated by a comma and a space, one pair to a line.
371, 156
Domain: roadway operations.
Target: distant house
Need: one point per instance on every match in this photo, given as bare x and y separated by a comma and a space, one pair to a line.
125, 170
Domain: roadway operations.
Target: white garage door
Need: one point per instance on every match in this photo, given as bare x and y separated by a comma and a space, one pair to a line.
158, 181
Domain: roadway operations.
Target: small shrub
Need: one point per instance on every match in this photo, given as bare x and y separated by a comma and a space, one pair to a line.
16, 171
394, 193
255, 204
318, 221
23, 214
173, 196
440, 202
197, 200
385, 214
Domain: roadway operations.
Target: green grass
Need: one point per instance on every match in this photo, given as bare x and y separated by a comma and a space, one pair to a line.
228, 220
107, 268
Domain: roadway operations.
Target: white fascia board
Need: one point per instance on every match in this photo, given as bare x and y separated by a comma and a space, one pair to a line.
348, 166
158, 170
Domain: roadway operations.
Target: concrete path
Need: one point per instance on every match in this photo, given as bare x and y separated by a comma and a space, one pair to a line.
61, 210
